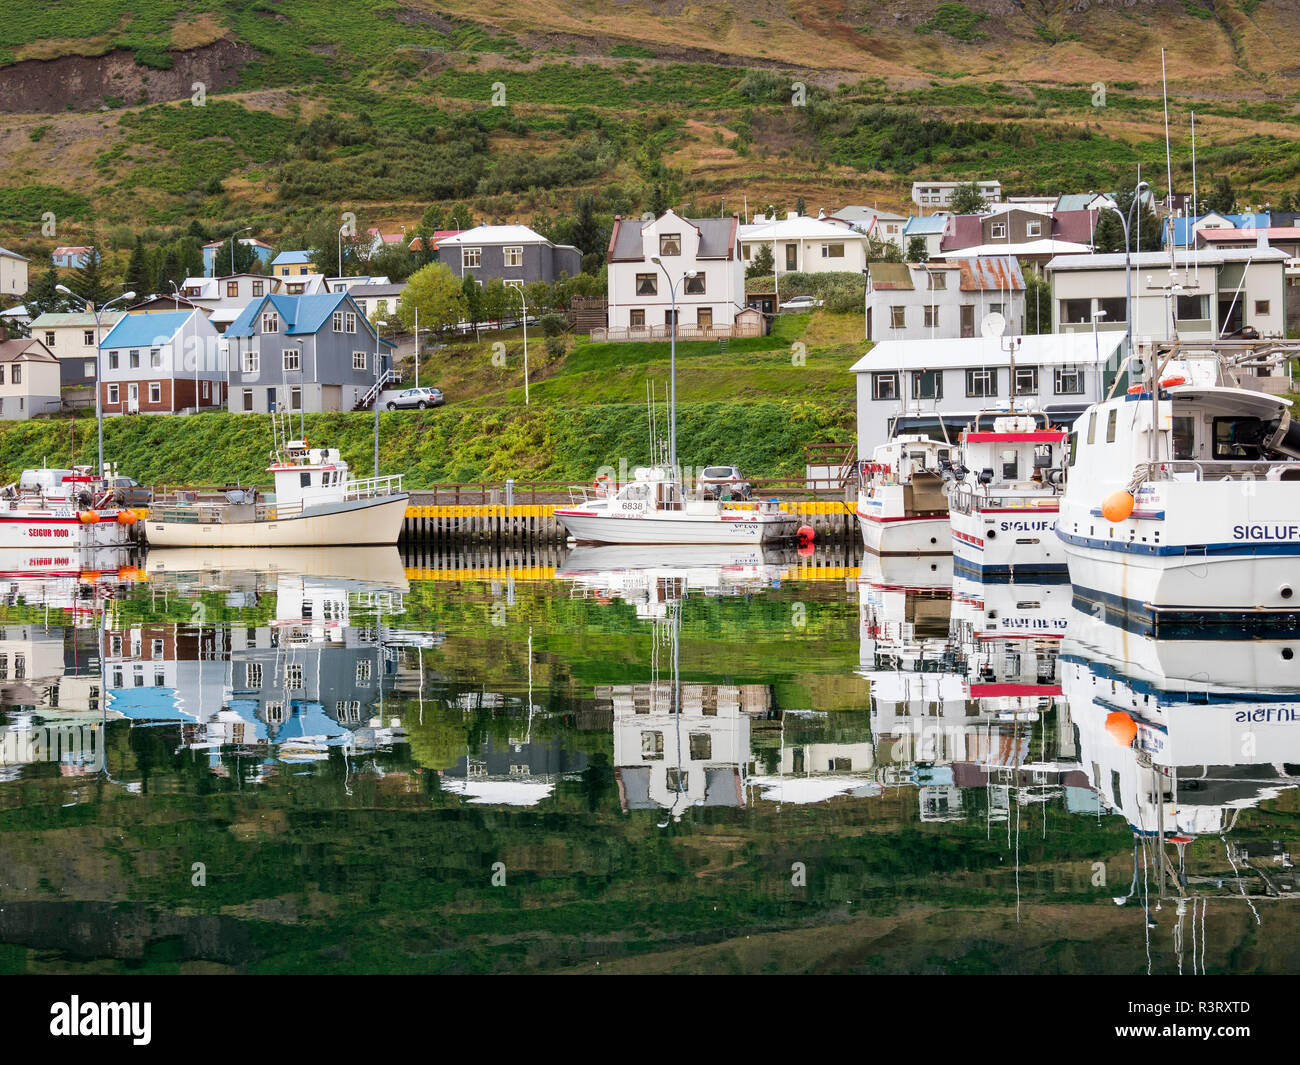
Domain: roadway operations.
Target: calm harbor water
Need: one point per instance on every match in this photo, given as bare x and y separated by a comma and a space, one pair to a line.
621, 759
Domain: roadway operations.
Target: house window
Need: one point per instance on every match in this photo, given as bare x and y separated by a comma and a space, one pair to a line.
1033, 229
113, 360
670, 244
49, 340
112, 394
652, 746
257, 288
936, 279
677, 780
293, 676
1026, 380
275, 713
248, 399
995, 308
701, 746
350, 322
471, 258
1116, 308
513, 256
671, 318
832, 251
156, 649
1190, 308
695, 285
1069, 381
155, 358
898, 317
252, 361
636, 319
232, 290
931, 315
292, 358
294, 290
16, 377
295, 398
206, 393
358, 360
981, 383
133, 359
998, 231
88, 368
884, 386
647, 284
1076, 312
1261, 306
363, 671
87, 338
155, 392
338, 321
927, 384
270, 323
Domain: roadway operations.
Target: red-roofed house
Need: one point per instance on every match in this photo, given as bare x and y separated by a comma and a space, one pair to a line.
435, 238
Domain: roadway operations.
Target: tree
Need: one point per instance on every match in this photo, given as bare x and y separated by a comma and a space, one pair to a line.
1108, 236
587, 234
800, 208
496, 303
762, 264
41, 297
393, 262
90, 281
138, 279
1287, 202
880, 250
916, 250
1222, 200
425, 254
1038, 303
243, 256
473, 294
967, 199
435, 292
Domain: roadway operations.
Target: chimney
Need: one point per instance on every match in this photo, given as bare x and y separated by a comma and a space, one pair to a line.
4, 332
821, 213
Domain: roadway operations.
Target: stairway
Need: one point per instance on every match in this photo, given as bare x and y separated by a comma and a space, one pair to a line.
368, 397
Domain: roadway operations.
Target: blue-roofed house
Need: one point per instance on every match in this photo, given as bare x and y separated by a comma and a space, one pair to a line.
162, 363
314, 353
292, 264
212, 268
1183, 228
930, 228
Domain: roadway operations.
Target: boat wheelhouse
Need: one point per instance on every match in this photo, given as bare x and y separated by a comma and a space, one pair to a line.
1182, 505
1003, 499
63, 510
902, 507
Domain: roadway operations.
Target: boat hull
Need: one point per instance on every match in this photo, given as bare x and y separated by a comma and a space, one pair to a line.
42, 529
686, 529
993, 544
369, 522
905, 536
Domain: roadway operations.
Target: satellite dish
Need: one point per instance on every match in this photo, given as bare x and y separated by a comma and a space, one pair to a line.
647, 216
994, 325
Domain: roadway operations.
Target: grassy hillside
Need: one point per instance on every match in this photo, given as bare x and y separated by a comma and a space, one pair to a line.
392, 106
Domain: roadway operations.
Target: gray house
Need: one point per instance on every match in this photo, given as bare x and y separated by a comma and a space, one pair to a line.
314, 353
516, 254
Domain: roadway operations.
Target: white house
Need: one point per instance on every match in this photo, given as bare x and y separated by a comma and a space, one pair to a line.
939, 193
928, 386
222, 298
880, 225
162, 363
13, 273
929, 229
71, 339
805, 245
945, 299
29, 379
647, 260
1206, 294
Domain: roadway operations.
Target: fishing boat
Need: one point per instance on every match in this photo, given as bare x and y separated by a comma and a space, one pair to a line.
1182, 499
902, 506
654, 508
1003, 498
63, 510
316, 503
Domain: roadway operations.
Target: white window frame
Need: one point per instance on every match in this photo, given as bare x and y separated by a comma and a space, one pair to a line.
998, 231
513, 255
113, 394
155, 358
155, 391
251, 361
292, 358
350, 321
364, 360
270, 322
1033, 229
338, 321
471, 258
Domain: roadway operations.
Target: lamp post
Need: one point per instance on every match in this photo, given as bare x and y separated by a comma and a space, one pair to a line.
99, 407
1126, 221
341, 229
519, 291
1096, 349
378, 380
232, 245
672, 355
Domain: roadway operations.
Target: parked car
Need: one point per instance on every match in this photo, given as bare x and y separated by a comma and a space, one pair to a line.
723, 482
1246, 332
801, 303
128, 492
416, 398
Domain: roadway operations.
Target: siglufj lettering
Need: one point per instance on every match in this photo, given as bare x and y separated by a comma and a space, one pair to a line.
77, 1018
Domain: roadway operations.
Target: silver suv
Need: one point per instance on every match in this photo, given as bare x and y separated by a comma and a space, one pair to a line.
722, 482
416, 398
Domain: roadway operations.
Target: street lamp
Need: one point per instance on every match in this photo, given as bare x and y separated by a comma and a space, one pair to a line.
99, 407
672, 379
378, 382
232, 246
519, 291
1127, 220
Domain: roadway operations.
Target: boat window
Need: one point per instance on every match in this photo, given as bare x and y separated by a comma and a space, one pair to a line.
1092, 428
304, 479
636, 490
1237, 438
1010, 465
1042, 456
1111, 422
1184, 437
1074, 447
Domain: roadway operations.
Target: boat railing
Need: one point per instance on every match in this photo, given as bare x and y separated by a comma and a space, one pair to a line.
369, 487
1218, 470
211, 513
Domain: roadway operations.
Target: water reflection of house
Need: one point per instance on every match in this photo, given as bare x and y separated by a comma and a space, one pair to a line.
692, 755
818, 771
49, 668
515, 773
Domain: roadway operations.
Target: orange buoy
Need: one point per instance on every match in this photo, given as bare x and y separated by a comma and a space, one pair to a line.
1117, 506
806, 533
127, 517
1171, 382
88, 517
1122, 728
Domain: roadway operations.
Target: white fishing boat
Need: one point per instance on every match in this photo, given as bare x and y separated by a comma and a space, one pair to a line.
316, 503
902, 507
63, 510
1003, 498
1182, 504
653, 508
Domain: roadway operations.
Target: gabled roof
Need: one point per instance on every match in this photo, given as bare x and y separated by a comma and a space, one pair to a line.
292, 258
925, 225
142, 330
71, 249
1077, 201
1160, 259
80, 319
1216, 236
242, 240
6, 253
800, 227
855, 213
25, 349
301, 315
890, 277
717, 238
989, 272
1026, 248
495, 235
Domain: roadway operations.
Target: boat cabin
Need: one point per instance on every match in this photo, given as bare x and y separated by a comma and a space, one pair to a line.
1015, 453
309, 475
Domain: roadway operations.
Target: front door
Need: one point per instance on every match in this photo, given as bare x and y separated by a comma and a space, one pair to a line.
968, 319
792, 257
270, 400
704, 317
133, 399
